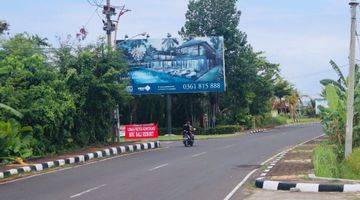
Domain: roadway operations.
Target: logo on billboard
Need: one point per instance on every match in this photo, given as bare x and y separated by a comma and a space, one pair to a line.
146, 88
174, 65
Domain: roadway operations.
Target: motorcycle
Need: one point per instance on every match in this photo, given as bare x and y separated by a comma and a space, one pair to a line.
189, 138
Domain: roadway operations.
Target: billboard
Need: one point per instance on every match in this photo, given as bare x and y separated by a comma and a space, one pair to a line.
171, 65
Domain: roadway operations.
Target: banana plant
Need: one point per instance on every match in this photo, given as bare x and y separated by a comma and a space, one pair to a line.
334, 116
15, 141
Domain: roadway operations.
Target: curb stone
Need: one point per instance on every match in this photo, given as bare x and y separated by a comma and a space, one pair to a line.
257, 131
261, 183
252, 132
306, 187
81, 158
299, 124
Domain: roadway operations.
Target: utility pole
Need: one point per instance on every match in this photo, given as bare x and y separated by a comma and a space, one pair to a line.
168, 107
351, 83
168, 114
109, 27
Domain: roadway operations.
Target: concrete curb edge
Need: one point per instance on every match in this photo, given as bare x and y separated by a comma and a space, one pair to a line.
306, 187
261, 183
81, 158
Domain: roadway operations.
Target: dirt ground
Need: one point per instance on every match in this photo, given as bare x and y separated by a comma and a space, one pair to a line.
296, 165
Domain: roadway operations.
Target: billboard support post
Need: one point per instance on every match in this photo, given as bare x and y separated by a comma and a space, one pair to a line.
168, 114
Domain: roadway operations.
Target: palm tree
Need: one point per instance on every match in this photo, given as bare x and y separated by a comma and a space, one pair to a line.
169, 42
293, 101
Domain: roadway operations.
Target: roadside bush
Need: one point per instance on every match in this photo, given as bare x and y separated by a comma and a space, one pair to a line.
15, 141
269, 120
354, 161
325, 161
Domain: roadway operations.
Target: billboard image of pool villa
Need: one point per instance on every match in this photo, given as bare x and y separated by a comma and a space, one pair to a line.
173, 65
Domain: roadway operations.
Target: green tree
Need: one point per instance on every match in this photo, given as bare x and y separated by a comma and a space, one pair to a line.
31, 85
249, 75
91, 75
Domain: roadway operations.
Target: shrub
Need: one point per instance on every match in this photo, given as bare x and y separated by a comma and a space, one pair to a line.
325, 162
269, 120
354, 161
15, 141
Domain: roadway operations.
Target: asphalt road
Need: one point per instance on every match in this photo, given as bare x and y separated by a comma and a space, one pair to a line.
209, 170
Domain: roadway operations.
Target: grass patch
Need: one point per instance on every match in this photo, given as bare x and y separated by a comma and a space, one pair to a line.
197, 137
304, 120
325, 161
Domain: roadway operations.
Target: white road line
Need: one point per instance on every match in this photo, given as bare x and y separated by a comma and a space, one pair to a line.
160, 166
199, 154
87, 191
228, 197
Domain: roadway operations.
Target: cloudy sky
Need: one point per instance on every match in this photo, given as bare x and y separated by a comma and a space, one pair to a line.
302, 36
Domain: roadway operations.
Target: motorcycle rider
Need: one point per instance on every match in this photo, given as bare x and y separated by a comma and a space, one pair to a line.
188, 129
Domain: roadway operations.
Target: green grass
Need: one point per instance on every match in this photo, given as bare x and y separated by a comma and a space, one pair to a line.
325, 162
347, 172
304, 120
197, 137
327, 165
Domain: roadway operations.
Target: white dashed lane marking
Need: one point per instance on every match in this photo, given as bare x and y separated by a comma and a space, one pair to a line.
158, 167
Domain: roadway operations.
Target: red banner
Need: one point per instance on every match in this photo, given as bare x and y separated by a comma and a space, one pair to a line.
141, 131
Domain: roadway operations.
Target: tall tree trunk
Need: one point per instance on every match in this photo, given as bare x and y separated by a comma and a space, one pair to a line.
213, 104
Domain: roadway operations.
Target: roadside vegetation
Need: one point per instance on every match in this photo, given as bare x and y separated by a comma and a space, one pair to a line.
329, 158
57, 99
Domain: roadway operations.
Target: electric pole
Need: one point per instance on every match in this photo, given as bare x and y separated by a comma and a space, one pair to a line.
351, 83
109, 27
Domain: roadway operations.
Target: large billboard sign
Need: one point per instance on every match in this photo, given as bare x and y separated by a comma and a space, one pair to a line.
170, 65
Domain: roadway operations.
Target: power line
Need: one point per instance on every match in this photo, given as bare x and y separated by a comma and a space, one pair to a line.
314, 73
95, 3
91, 16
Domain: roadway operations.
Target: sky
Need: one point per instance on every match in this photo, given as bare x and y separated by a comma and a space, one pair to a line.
302, 36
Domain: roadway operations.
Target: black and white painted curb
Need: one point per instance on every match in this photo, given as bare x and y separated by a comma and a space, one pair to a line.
306, 187
81, 158
299, 124
257, 131
272, 164
302, 187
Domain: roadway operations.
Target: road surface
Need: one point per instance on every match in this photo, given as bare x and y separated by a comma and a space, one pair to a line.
209, 170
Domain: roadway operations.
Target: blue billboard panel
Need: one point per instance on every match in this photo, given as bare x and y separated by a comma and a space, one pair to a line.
170, 65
